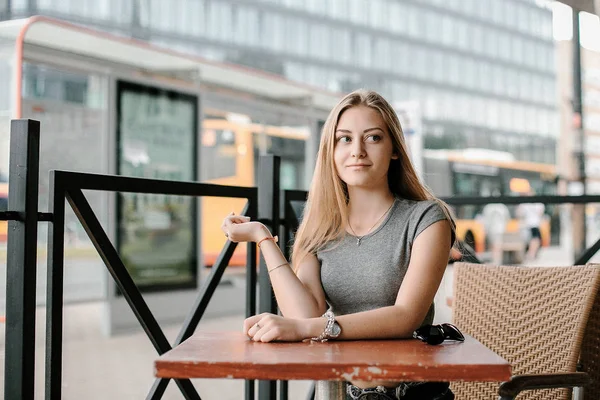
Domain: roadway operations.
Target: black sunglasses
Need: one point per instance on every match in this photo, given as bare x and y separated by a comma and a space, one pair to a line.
436, 334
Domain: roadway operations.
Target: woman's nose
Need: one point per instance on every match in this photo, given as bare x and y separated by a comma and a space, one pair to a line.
358, 149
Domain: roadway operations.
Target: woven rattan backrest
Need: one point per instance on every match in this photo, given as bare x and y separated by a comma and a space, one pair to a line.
590, 350
534, 317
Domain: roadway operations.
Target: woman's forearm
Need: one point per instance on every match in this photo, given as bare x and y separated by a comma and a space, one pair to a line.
393, 322
293, 298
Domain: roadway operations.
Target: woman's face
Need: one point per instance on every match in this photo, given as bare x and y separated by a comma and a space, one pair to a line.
363, 148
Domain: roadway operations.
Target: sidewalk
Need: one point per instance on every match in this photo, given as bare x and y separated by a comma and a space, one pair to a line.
96, 367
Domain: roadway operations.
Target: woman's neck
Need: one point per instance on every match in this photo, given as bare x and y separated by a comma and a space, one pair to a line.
367, 205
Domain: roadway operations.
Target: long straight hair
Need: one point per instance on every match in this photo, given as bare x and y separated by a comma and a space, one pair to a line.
326, 212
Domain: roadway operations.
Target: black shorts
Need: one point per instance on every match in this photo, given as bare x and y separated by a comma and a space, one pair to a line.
535, 233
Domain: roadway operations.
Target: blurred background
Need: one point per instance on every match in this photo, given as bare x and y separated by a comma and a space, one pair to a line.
496, 98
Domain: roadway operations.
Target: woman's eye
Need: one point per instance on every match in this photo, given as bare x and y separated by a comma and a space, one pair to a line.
374, 138
344, 139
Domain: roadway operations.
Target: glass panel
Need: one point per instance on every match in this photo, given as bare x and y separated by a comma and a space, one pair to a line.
156, 133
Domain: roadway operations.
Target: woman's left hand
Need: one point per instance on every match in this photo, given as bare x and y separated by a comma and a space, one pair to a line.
270, 327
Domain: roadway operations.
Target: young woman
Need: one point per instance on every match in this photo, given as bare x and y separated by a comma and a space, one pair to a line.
370, 252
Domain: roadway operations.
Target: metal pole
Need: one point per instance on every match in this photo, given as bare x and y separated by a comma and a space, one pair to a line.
577, 98
268, 208
330, 390
578, 127
19, 362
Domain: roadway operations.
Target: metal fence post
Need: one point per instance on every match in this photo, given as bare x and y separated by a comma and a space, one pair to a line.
268, 208
19, 362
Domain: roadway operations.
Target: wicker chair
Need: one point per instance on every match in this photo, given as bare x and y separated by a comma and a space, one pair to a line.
544, 320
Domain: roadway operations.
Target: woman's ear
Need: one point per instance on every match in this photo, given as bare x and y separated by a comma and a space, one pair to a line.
394, 156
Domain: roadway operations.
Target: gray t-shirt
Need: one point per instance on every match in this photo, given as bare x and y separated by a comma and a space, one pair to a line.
366, 276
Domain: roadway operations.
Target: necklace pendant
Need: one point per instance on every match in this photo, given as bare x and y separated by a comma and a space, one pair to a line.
358, 241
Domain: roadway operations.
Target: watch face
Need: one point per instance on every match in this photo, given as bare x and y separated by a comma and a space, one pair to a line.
336, 330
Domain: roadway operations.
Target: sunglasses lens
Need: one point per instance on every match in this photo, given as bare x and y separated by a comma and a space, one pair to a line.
436, 335
452, 332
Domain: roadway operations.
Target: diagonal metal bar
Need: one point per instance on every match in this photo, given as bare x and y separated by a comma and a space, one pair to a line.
469, 253
588, 254
201, 303
198, 309
125, 283
191, 322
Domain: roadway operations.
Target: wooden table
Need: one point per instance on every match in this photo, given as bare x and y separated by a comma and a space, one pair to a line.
233, 355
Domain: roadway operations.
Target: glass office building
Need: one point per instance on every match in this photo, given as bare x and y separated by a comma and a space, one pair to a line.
483, 70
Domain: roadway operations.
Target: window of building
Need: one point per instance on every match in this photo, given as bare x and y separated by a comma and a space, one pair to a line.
246, 27
378, 14
496, 11
470, 73
194, 18
504, 46
479, 111
448, 36
320, 40
399, 91
364, 55
499, 78
359, 11
296, 32
453, 69
529, 49
383, 54
340, 9
491, 43
462, 34
316, 6
438, 62
517, 50
401, 57
414, 17
493, 114
505, 116
398, 18
478, 43
522, 18
274, 25
219, 21
484, 76
430, 104
419, 64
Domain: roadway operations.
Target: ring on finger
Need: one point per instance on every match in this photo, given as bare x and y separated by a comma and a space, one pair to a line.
226, 234
257, 325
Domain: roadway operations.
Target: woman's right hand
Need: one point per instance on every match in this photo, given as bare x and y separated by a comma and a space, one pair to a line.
239, 228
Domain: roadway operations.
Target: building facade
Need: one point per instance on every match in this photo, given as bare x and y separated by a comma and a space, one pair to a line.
483, 72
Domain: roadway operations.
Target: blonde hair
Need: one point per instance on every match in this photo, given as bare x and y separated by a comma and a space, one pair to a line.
326, 212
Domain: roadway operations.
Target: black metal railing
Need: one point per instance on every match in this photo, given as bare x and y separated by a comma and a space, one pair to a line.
23, 216
21, 262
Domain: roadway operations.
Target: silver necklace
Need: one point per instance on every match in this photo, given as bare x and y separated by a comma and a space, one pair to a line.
359, 238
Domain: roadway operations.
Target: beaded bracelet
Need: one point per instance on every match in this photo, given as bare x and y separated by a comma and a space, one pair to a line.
273, 238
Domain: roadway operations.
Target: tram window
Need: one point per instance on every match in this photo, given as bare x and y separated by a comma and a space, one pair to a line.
218, 154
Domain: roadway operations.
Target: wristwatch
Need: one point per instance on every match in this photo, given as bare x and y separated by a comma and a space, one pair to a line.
332, 328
